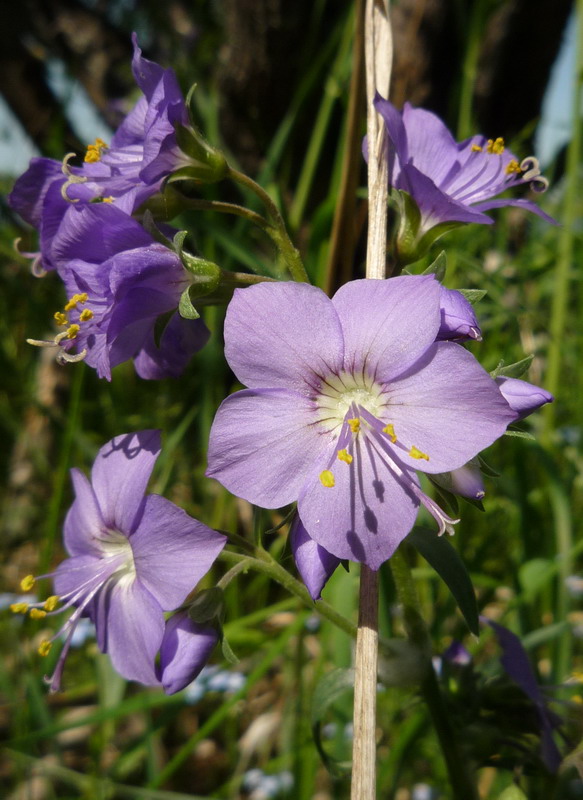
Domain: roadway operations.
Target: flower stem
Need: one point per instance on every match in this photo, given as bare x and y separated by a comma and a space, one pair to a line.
227, 208
265, 563
461, 780
275, 227
363, 785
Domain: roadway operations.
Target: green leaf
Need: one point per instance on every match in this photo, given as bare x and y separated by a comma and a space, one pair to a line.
185, 307
438, 267
534, 575
473, 296
445, 560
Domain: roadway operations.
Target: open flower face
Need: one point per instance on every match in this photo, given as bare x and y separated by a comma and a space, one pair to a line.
131, 558
348, 397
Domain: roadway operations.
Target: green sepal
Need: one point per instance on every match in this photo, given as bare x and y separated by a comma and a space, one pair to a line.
412, 243
518, 434
516, 370
185, 307
473, 296
207, 606
488, 471
445, 560
206, 163
438, 267
149, 224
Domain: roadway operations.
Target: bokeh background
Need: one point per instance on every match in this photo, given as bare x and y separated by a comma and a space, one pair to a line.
279, 88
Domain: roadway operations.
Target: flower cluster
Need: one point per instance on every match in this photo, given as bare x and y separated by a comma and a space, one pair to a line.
132, 558
119, 280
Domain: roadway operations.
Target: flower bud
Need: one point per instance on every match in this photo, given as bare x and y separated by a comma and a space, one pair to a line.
315, 564
523, 397
465, 481
458, 320
185, 649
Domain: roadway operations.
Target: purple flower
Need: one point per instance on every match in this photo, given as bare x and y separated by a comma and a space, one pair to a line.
314, 563
119, 281
449, 181
458, 321
143, 153
185, 649
348, 397
131, 558
522, 397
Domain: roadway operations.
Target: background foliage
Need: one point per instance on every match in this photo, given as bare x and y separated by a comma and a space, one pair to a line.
274, 89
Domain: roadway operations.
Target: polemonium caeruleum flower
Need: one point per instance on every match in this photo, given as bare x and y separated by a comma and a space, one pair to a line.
348, 397
450, 182
154, 141
132, 557
119, 281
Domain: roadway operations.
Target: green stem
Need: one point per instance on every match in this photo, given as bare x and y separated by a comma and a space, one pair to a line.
461, 780
265, 563
276, 229
227, 208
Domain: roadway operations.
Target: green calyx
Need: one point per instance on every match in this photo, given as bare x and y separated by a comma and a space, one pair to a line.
203, 163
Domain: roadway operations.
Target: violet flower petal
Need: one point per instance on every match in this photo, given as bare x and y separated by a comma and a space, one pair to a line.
180, 339
365, 515
387, 325
84, 521
120, 476
262, 444
132, 625
172, 551
450, 421
314, 563
282, 335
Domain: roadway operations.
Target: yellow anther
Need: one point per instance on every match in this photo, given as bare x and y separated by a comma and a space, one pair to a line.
72, 331
327, 479
60, 318
93, 153
27, 583
414, 452
344, 455
51, 603
85, 315
109, 199
512, 167
476, 148
37, 613
390, 431
44, 647
19, 608
354, 424
75, 300
495, 146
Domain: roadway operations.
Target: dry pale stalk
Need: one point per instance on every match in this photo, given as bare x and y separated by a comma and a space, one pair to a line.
378, 55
